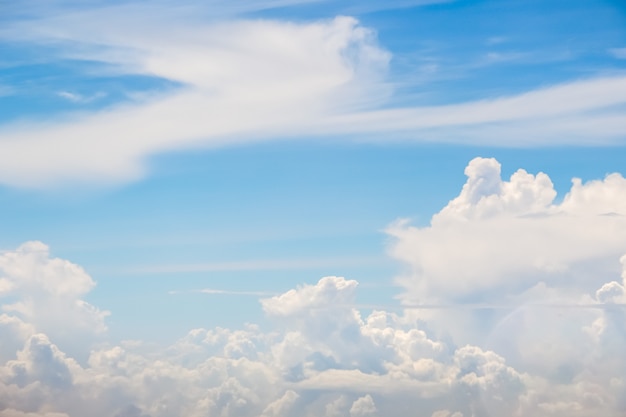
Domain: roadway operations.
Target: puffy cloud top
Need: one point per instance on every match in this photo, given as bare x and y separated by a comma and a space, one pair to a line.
500, 240
329, 292
46, 293
486, 195
30, 268
497, 237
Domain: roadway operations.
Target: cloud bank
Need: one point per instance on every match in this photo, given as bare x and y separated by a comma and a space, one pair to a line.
324, 357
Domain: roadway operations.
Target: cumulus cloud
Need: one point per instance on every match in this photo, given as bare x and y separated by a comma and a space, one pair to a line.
325, 357
510, 243
44, 293
281, 406
242, 373
13, 333
363, 407
512, 236
329, 292
614, 292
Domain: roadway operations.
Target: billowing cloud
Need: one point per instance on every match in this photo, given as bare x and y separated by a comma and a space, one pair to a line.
245, 373
553, 347
511, 236
45, 294
363, 407
539, 274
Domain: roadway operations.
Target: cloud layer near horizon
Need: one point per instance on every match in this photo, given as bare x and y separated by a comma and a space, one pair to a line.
239, 81
325, 358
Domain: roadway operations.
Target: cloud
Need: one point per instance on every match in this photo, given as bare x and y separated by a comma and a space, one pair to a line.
281, 405
330, 291
254, 265
46, 294
13, 333
322, 357
363, 407
249, 372
209, 8
369, 6
619, 53
240, 81
6, 90
446, 413
579, 112
16, 413
510, 243
509, 236
212, 291
80, 98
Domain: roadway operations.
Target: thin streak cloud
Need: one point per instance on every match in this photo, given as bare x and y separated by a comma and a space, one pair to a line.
212, 291
252, 265
246, 81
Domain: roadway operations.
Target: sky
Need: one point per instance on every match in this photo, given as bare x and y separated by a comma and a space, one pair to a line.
313, 208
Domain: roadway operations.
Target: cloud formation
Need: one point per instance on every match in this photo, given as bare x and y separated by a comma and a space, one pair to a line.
383, 364
242, 79
239, 81
45, 294
512, 235
325, 357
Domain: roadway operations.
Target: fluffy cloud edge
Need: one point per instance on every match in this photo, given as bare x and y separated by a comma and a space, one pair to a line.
325, 357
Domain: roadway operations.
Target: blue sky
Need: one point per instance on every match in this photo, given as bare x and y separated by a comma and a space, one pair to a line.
207, 163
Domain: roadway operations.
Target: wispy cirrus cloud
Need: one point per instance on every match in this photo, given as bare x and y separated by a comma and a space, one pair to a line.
619, 53
213, 291
80, 98
581, 112
241, 81
251, 265
6, 90
250, 80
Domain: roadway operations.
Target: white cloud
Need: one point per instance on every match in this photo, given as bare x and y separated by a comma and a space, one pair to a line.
363, 407
80, 98
13, 333
253, 265
211, 291
16, 413
242, 80
510, 236
250, 80
280, 407
446, 413
325, 358
330, 292
584, 111
509, 243
241, 373
46, 293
